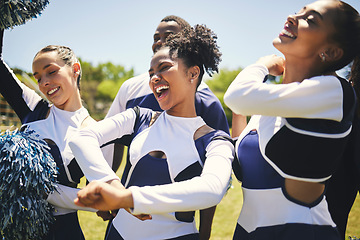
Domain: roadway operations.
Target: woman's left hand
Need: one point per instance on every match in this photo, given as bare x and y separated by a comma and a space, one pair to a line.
274, 64
104, 197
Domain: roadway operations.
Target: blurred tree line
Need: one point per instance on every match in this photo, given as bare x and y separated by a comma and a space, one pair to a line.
100, 84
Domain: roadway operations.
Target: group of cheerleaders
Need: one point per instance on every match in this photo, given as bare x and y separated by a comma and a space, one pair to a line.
180, 155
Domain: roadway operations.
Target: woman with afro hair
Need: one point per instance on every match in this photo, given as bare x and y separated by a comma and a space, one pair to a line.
177, 163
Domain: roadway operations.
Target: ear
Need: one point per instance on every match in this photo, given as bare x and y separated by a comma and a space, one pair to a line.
76, 69
333, 53
194, 73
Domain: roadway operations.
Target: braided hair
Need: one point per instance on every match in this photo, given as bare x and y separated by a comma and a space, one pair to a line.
65, 54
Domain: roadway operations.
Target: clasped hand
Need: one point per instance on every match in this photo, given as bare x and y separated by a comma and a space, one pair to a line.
107, 197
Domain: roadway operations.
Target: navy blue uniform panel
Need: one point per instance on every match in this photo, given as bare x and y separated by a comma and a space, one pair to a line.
344, 184
286, 231
206, 104
113, 234
147, 101
354, 149
142, 122
191, 171
40, 112
65, 227
150, 171
304, 155
256, 171
202, 142
349, 100
143, 118
73, 167
195, 169
320, 125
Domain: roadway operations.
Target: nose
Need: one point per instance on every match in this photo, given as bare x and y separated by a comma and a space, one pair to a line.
44, 82
292, 19
155, 78
157, 45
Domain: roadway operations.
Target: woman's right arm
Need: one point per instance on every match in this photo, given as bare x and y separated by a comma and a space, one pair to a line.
21, 98
85, 145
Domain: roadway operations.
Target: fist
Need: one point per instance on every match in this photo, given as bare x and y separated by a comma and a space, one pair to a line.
274, 64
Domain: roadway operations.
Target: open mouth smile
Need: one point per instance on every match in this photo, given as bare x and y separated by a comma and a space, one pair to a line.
52, 91
286, 33
161, 91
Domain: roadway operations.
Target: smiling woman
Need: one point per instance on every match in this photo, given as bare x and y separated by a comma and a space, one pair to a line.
177, 163
58, 73
299, 129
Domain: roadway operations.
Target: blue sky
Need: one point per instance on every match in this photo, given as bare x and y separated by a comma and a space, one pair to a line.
121, 31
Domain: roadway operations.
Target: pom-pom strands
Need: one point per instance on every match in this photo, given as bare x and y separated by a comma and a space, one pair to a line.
27, 175
17, 12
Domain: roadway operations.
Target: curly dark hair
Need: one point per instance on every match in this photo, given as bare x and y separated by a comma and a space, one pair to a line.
182, 23
196, 46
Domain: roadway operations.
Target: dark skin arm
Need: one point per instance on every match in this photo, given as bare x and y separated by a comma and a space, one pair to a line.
206, 220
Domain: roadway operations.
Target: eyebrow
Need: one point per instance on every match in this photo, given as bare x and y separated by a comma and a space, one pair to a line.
158, 66
45, 67
315, 12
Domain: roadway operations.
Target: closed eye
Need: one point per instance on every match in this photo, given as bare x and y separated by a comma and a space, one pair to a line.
164, 68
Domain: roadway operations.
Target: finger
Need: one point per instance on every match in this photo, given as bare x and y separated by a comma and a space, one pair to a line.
77, 202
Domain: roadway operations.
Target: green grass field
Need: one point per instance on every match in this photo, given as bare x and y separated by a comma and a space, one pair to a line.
224, 224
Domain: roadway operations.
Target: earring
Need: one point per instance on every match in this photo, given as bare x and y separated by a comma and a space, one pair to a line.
192, 80
323, 58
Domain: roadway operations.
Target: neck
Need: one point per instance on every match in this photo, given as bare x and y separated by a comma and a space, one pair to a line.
183, 110
71, 105
297, 71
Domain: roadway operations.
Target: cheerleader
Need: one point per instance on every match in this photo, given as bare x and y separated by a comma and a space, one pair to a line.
58, 73
299, 129
167, 149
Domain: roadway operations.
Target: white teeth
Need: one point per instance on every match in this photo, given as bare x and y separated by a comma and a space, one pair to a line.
52, 91
158, 90
285, 32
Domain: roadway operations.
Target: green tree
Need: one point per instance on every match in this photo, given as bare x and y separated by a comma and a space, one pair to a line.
114, 77
100, 84
219, 83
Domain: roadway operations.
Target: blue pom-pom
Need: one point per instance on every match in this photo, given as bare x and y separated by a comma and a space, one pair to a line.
27, 175
17, 12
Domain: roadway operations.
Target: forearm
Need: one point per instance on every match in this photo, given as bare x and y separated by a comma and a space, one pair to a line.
64, 197
239, 122
248, 95
86, 145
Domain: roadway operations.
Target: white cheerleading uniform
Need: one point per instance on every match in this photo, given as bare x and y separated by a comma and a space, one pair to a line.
56, 128
136, 92
298, 131
149, 178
